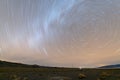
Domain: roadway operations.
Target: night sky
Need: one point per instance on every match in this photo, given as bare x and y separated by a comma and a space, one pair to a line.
69, 33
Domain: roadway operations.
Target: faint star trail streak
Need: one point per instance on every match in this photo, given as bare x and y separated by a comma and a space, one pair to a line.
45, 51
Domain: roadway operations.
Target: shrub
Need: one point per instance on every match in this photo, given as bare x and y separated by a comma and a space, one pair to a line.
60, 78
104, 75
15, 77
81, 76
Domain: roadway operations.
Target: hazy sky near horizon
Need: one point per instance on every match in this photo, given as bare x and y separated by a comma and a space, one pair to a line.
78, 33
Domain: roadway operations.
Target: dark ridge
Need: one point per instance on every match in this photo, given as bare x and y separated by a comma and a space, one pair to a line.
111, 66
13, 64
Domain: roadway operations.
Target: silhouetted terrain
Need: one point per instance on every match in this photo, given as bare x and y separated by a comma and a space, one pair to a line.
12, 64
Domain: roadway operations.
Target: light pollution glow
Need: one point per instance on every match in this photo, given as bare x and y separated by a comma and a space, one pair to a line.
68, 33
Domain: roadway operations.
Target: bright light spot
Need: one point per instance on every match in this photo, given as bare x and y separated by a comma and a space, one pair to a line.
80, 67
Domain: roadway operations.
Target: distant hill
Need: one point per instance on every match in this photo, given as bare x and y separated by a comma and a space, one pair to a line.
12, 64
111, 66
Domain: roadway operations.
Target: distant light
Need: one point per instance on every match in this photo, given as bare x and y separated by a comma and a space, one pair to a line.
80, 68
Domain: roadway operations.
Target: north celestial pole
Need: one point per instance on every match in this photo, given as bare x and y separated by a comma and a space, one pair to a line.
82, 33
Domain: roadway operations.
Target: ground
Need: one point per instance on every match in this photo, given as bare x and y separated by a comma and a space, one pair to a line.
8, 73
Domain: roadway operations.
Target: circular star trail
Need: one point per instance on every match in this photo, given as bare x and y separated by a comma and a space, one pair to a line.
79, 33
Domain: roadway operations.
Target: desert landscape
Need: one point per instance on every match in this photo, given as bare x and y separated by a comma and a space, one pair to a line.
16, 71
59, 39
